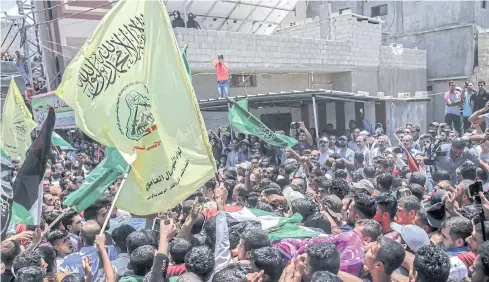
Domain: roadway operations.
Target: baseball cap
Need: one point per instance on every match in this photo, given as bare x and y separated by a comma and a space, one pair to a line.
414, 236
343, 137
364, 184
334, 205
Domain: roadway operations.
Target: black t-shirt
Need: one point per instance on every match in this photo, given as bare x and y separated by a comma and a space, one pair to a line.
7, 276
479, 100
299, 148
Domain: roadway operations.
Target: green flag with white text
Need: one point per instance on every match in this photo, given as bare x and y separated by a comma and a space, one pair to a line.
247, 123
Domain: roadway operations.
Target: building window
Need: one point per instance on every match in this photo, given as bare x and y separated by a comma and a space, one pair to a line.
429, 88
378, 11
484, 4
242, 80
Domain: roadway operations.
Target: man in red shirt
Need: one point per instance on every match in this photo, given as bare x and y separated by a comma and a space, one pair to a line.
222, 72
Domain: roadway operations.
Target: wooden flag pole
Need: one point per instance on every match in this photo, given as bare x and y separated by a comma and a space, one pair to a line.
112, 206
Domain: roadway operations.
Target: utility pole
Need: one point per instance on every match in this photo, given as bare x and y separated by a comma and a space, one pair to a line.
31, 42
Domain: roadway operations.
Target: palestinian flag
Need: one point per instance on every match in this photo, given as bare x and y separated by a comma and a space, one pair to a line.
58, 141
27, 188
277, 227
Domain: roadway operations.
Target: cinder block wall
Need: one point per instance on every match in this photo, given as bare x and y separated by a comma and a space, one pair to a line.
306, 30
267, 52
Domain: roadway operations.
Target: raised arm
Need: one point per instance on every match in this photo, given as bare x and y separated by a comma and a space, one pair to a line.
186, 229
308, 135
104, 256
476, 116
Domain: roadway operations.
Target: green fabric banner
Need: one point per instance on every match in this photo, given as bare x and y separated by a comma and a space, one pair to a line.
97, 182
247, 123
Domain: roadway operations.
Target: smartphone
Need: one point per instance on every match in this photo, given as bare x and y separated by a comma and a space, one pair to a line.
156, 224
475, 188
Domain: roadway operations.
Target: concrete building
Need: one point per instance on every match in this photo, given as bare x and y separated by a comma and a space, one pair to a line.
449, 31
330, 52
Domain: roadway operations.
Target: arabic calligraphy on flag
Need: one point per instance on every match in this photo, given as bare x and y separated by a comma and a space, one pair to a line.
130, 90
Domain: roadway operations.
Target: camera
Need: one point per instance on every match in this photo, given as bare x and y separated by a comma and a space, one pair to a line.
433, 152
295, 125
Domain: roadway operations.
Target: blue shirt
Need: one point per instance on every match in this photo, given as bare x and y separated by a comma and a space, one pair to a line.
73, 262
346, 228
457, 251
352, 145
467, 112
137, 223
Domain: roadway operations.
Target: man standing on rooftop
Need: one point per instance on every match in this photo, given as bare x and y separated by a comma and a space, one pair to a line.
222, 72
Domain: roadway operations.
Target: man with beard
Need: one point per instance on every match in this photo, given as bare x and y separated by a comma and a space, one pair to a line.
232, 158
455, 231
425, 141
332, 143
382, 144
244, 152
324, 150
61, 243
352, 143
305, 140
72, 222
444, 137
346, 153
363, 148
362, 206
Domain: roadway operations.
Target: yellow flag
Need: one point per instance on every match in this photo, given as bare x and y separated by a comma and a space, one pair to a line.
17, 124
129, 89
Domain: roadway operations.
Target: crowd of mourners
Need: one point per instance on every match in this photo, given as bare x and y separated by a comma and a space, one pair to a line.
375, 217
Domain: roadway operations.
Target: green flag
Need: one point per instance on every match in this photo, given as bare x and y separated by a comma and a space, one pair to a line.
58, 141
97, 182
247, 123
185, 62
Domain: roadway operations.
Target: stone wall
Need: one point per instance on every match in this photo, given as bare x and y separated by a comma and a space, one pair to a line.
305, 30
409, 59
